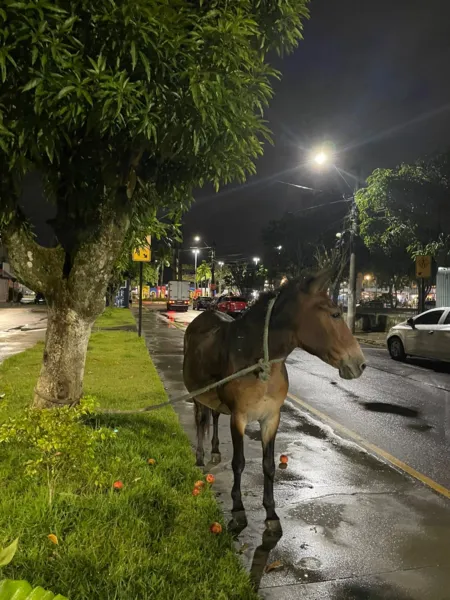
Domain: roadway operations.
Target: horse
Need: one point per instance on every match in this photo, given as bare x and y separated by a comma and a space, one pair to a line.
216, 346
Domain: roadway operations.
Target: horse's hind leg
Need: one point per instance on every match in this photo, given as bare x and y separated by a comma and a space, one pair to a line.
202, 416
215, 452
269, 427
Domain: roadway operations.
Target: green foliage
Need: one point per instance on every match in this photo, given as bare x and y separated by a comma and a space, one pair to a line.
15, 590
154, 96
7, 554
204, 271
407, 208
59, 441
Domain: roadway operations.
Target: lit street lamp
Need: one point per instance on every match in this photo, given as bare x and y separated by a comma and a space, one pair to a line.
321, 158
256, 260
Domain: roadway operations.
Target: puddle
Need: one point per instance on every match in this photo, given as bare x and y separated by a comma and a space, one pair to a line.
323, 514
310, 563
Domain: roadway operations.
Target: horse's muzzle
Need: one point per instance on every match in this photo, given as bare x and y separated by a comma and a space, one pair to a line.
352, 368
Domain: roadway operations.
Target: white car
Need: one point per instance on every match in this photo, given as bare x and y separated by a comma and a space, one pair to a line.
426, 335
28, 299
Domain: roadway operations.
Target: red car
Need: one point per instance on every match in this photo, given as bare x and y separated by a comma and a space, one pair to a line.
232, 305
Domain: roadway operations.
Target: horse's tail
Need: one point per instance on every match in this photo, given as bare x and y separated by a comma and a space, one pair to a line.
202, 417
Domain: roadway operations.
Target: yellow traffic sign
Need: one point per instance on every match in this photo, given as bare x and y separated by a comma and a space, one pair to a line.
143, 254
423, 267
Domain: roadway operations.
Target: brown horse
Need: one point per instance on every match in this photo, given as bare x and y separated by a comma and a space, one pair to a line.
216, 346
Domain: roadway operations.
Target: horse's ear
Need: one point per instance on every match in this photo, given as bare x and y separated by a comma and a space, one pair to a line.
318, 282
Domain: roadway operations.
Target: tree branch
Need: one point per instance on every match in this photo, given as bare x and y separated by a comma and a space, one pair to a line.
35, 265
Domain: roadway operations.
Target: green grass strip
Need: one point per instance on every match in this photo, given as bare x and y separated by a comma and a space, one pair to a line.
149, 541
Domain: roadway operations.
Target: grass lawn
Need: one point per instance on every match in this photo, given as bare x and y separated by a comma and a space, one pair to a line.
151, 540
114, 317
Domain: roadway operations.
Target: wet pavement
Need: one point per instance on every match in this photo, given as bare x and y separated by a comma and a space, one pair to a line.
354, 528
20, 328
403, 408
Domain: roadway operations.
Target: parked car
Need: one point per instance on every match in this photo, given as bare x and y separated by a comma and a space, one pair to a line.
28, 298
426, 335
32, 298
232, 305
201, 303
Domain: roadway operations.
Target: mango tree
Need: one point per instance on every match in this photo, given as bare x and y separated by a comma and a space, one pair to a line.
123, 107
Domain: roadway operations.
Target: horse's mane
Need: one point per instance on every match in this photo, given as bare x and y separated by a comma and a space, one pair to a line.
286, 295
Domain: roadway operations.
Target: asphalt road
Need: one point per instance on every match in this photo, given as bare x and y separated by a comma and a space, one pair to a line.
403, 408
20, 328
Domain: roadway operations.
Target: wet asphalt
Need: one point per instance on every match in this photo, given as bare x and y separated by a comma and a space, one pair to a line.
403, 408
21, 328
354, 528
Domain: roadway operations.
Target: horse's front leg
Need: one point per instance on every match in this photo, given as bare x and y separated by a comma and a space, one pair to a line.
215, 452
238, 424
269, 428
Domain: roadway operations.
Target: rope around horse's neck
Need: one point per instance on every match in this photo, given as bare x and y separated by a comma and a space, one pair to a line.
264, 365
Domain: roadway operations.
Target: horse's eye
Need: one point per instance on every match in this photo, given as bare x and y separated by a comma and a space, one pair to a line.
336, 315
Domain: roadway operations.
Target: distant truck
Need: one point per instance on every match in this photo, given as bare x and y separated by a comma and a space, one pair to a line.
443, 287
178, 298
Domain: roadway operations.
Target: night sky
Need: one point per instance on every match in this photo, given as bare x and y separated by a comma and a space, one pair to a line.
373, 78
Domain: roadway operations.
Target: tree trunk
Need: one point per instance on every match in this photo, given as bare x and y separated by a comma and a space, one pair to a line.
74, 285
61, 378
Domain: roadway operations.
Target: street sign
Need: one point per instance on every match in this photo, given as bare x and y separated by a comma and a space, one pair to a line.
423, 267
143, 254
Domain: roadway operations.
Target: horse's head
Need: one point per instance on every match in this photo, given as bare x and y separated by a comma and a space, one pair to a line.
322, 331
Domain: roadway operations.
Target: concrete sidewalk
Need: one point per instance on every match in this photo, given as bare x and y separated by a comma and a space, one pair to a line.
354, 528
373, 338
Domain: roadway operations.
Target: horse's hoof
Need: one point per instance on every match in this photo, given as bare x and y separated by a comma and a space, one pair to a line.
199, 462
274, 526
238, 523
216, 458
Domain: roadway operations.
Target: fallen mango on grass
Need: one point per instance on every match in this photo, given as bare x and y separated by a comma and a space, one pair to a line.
210, 478
151, 461
199, 484
216, 528
118, 485
284, 459
52, 537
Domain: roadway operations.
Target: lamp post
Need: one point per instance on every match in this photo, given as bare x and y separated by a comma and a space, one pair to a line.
196, 252
256, 260
321, 158
212, 250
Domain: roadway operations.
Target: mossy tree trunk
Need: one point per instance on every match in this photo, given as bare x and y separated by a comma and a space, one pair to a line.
74, 284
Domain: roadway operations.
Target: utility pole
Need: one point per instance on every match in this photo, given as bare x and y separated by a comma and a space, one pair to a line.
213, 268
351, 310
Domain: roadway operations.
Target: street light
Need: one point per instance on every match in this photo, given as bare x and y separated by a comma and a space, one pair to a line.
220, 263
196, 252
279, 248
197, 238
256, 260
321, 158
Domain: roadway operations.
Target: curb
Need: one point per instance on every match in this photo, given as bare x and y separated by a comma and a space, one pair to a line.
370, 342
